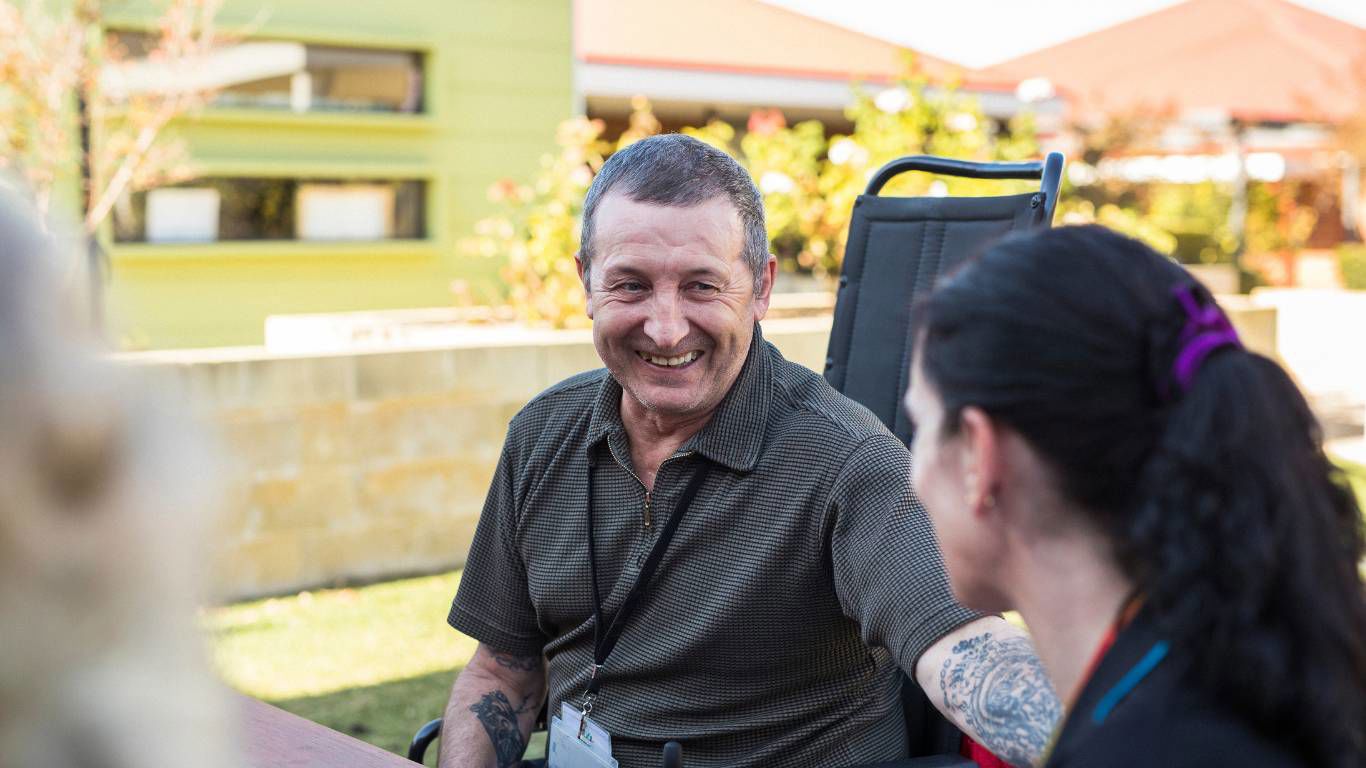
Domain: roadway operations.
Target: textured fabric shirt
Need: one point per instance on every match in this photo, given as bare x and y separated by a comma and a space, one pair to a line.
804, 572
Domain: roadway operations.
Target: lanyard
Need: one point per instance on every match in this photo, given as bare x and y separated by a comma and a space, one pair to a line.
1127, 611
1132, 604
606, 633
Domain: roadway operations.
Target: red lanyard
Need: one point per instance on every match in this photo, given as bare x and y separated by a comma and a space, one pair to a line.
1126, 614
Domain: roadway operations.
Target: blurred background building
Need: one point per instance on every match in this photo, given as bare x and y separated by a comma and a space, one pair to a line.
345, 149
344, 153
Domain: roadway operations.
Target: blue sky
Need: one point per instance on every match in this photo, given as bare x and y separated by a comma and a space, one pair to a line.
954, 29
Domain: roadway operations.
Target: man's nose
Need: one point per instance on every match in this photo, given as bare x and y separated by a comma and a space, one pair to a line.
666, 326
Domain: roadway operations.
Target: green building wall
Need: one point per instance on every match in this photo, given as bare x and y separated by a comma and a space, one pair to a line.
498, 77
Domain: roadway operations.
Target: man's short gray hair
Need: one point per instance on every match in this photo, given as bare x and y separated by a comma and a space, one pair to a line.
680, 171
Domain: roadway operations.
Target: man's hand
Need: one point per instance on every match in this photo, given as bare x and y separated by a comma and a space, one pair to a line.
986, 678
492, 708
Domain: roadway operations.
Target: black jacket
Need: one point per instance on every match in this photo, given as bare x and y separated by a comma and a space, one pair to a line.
1137, 711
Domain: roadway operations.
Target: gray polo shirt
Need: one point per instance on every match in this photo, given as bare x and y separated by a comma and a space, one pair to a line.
803, 573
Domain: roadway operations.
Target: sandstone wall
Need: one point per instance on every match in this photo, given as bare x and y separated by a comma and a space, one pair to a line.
361, 465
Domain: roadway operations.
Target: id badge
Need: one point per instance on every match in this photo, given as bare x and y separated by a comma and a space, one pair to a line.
568, 750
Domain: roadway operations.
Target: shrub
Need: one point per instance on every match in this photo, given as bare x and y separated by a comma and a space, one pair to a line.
1352, 262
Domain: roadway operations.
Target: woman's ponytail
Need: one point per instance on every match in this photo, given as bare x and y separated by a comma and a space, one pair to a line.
1244, 538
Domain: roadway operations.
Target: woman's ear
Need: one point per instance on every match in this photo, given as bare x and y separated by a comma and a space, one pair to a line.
981, 456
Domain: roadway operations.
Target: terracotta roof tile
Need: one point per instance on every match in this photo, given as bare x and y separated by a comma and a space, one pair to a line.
1256, 59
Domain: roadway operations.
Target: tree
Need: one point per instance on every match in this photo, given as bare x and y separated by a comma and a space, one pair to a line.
71, 102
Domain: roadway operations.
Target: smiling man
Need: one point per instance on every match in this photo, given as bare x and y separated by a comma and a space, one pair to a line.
704, 542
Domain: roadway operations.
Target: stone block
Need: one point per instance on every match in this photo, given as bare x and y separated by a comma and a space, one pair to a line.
208, 385
380, 549
412, 491
236, 520
560, 361
253, 441
165, 381
326, 435
343, 555
313, 498
286, 382
415, 427
802, 340
385, 375
497, 374
266, 564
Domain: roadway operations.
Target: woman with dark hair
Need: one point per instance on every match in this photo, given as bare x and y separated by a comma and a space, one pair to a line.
1099, 452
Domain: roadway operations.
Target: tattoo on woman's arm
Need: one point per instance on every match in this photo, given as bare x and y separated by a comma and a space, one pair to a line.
499, 719
1004, 695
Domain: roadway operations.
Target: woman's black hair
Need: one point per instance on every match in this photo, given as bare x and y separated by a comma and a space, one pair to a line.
1219, 501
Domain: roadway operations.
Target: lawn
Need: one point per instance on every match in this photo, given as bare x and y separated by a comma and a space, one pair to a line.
1356, 474
375, 662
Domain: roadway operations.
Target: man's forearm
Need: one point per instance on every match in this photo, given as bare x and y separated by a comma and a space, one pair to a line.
987, 679
489, 716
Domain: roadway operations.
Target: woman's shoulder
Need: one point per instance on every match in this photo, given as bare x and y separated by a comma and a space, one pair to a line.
1175, 735
1164, 721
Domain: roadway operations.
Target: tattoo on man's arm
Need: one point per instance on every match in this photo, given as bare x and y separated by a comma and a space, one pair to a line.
518, 663
499, 719
1004, 695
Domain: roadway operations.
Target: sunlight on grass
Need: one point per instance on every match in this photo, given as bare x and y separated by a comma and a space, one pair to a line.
1358, 480
330, 640
1356, 475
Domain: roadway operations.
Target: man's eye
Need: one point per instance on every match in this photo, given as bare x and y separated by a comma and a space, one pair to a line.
631, 286
704, 287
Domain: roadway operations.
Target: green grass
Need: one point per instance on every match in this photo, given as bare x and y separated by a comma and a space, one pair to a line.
1352, 259
375, 662
1356, 476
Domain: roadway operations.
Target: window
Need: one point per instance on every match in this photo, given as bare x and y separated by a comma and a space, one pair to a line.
263, 74
237, 209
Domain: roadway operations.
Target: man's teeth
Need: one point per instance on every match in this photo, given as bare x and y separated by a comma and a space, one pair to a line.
670, 361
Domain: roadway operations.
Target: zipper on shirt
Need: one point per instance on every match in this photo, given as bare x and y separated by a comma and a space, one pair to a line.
647, 518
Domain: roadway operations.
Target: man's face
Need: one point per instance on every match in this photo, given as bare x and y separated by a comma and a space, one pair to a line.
673, 303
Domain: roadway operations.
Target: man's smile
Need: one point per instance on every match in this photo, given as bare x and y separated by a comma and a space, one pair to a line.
678, 361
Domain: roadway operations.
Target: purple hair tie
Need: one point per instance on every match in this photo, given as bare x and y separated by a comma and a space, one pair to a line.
1207, 329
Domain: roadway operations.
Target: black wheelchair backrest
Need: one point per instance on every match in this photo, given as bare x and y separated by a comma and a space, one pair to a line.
897, 248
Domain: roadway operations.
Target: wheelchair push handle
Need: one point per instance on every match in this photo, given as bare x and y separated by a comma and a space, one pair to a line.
1049, 170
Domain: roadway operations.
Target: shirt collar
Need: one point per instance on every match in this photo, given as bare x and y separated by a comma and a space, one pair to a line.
734, 435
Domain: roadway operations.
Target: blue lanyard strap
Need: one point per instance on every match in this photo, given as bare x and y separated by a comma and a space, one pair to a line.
1131, 679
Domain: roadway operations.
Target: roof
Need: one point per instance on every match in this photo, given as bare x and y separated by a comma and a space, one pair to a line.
738, 36
1260, 60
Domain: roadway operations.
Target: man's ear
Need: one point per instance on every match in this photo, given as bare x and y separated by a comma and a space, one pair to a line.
982, 456
583, 278
764, 291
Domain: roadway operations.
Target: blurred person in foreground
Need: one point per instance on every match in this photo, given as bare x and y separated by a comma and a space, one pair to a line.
796, 570
1099, 452
101, 665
